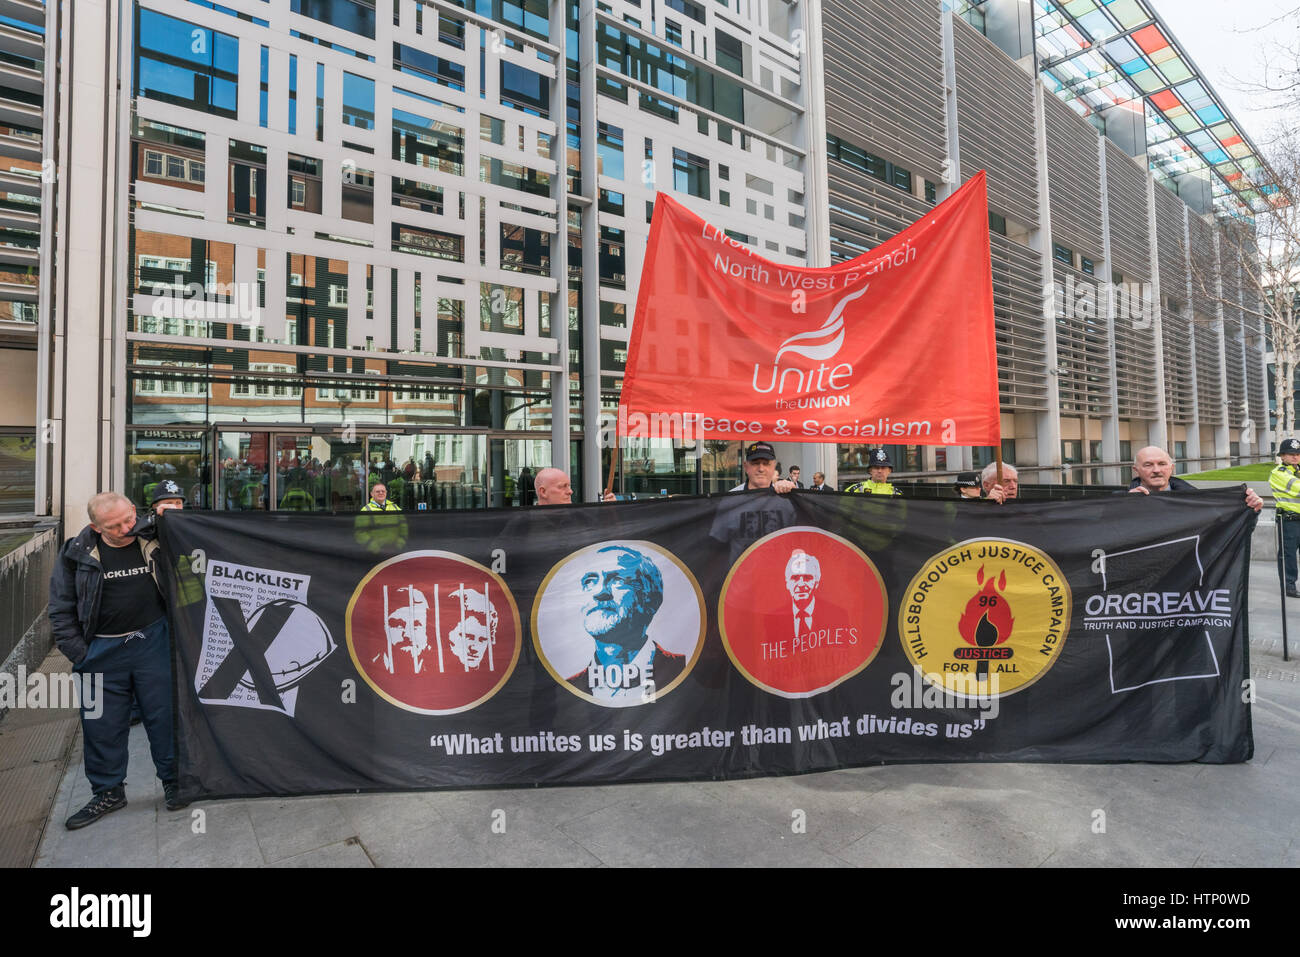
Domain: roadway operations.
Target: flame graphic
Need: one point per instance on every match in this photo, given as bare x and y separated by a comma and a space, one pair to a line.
820, 344
988, 624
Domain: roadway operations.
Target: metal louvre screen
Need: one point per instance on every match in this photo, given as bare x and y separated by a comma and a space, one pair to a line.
1205, 266
1018, 317
1073, 172
1130, 253
995, 120
884, 80
1209, 384
864, 212
1126, 209
1082, 346
1175, 320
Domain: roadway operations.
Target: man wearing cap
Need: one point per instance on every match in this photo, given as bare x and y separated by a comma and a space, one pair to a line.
1285, 483
166, 495
743, 520
879, 467
107, 615
760, 470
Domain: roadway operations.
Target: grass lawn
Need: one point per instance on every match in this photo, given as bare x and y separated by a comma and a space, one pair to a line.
1239, 473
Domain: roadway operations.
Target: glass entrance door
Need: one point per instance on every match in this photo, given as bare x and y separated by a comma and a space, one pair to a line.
318, 473
515, 462
429, 471
289, 470
243, 478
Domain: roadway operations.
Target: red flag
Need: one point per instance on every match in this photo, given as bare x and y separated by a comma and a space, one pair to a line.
895, 346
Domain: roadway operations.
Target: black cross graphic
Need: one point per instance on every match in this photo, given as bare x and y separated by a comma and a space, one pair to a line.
249, 653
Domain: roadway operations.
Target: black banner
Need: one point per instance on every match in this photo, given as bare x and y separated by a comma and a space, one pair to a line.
701, 638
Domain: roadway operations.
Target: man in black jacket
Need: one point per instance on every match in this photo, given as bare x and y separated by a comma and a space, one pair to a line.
108, 618
1154, 473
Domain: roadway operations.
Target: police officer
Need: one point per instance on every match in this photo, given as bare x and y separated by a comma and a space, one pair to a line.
879, 466
166, 495
1285, 482
379, 500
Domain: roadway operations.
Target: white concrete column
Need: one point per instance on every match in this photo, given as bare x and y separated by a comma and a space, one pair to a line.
592, 474
816, 456
560, 428
1040, 239
1159, 432
1194, 430
1110, 423
86, 450
1222, 433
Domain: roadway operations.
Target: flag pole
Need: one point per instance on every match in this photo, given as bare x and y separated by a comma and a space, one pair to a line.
613, 464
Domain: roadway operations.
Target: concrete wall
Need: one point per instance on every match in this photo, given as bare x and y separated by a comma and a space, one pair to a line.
18, 387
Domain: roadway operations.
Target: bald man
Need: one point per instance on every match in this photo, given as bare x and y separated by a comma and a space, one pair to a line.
554, 488
1153, 471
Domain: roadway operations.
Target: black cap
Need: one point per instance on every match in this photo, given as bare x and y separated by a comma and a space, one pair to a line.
166, 489
879, 458
1289, 447
967, 480
759, 450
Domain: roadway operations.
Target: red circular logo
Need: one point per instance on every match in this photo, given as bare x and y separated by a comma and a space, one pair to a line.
433, 632
801, 611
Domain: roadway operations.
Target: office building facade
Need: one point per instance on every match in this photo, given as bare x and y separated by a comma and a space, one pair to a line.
295, 245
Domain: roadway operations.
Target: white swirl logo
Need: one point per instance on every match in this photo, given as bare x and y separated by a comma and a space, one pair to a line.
822, 343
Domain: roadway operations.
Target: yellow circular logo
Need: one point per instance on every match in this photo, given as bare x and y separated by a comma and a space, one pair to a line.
986, 617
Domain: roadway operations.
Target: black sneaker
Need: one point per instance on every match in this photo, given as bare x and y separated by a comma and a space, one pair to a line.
102, 803
172, 797
1292, 593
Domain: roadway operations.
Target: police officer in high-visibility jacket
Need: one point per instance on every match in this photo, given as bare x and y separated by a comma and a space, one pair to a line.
1285, 482
879, 466
379, 500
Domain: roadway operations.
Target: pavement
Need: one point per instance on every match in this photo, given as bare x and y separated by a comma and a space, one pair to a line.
1029, 815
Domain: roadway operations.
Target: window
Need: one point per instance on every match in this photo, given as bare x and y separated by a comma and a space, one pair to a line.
672, 32
355, 16
169, 166
858, 158
1087, 265
186, 65
730, 52
299, 192
691, 174
1063, 254
358, 101
694, 11
609, 150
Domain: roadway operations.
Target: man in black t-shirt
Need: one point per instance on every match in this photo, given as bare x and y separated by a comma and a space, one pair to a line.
742, 521
108, 618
